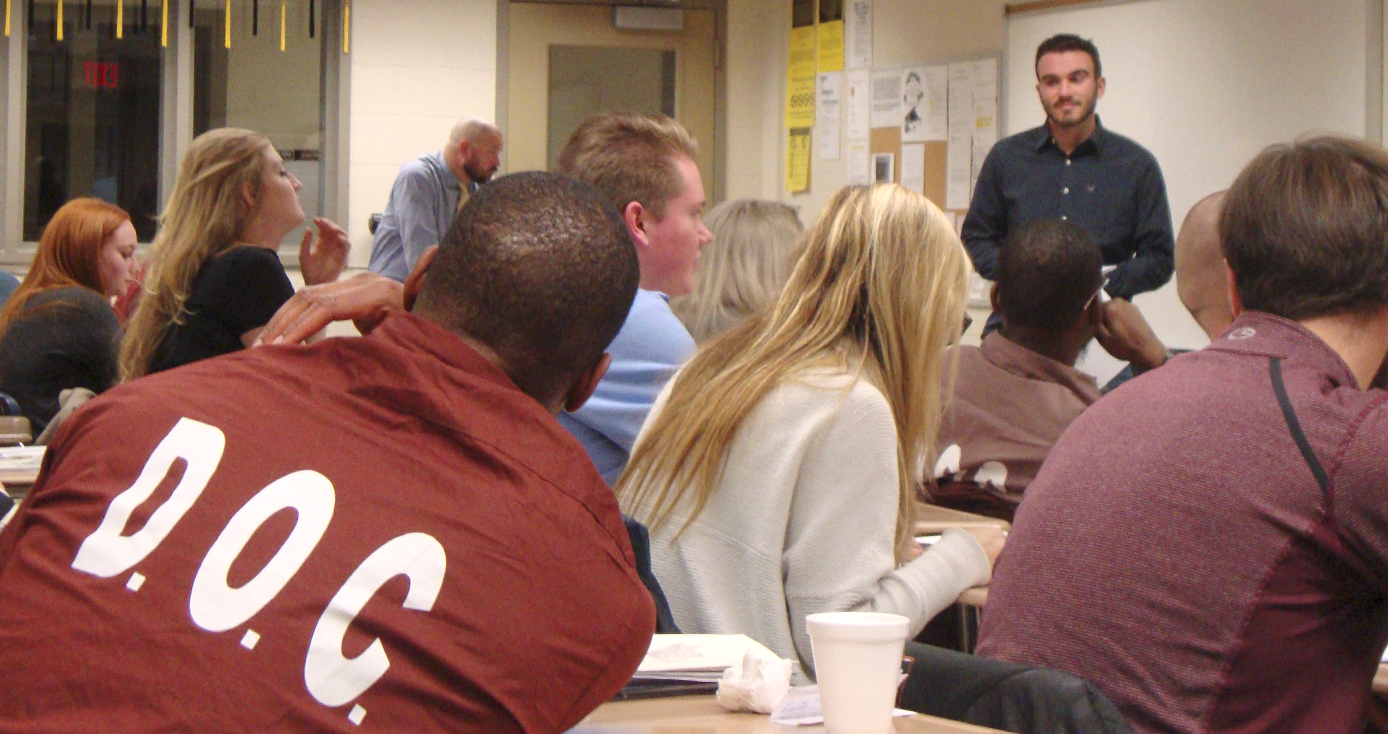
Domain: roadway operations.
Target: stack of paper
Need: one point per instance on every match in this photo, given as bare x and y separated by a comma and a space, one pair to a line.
693, 658
20, 462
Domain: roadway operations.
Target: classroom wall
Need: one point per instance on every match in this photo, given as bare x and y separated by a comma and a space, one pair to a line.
757, 34
414, 74
904, 32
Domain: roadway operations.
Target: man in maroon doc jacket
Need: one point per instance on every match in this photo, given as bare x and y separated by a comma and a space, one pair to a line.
389, 533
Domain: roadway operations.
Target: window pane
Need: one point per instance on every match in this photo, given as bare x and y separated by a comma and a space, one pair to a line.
255, 85
92, 124
590, 80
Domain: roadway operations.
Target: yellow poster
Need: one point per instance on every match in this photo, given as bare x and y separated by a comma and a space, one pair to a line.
800, 71
802, 51
831, 46
800, 103
798, 160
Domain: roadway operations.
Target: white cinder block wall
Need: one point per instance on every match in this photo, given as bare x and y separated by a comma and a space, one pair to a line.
414, 73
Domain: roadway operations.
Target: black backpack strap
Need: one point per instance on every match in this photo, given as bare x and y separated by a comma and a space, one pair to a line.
1294, 426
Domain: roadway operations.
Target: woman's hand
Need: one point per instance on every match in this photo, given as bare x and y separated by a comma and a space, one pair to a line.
992, 539
322, 261
366, 299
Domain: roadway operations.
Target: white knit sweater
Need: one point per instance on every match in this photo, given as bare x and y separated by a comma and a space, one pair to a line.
803, 520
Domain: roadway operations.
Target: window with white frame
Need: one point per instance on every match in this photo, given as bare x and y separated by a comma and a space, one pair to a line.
102, 96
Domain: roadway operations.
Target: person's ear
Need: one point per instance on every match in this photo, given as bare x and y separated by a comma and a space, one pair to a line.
1235, 307
635, 216
583, 387
1100, 85
248, 196
415, 281
1095, 311
993, 298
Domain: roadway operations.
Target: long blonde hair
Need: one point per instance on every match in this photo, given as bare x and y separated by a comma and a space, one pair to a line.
742, 269
878, 289
206, 212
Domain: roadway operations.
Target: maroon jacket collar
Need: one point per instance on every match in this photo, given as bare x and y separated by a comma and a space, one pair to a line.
1263, 334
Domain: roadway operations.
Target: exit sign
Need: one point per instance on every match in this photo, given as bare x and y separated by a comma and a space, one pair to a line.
101, 76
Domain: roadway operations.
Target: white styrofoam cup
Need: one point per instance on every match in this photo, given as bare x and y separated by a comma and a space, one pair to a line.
857, 662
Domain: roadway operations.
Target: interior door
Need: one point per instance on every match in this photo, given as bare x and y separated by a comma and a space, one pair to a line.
569, 62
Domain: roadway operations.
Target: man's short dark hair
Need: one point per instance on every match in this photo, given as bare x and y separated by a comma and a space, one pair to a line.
540, 269
1048, 270
1062, 42
1305, 229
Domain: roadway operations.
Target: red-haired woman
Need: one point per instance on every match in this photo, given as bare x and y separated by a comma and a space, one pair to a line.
58, 330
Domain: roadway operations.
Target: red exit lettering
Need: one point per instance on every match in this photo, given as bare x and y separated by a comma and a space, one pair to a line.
101, 76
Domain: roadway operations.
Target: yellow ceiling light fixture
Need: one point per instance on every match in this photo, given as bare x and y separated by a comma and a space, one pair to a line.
60, 20
164, 27
120, 18
281, 26
227, 41
346, 26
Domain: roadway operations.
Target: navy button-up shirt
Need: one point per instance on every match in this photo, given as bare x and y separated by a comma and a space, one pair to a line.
1109, 185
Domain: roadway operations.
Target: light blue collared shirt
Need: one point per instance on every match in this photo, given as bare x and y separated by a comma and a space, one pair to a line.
651, 346
420, 209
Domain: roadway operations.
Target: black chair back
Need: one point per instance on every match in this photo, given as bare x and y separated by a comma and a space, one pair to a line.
1003, 695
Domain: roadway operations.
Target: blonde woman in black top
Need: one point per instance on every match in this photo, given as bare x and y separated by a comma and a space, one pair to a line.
214, 276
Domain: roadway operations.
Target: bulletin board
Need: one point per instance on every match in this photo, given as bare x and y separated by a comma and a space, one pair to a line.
973, 137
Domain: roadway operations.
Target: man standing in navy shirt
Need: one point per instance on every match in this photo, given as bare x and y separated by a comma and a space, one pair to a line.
1071, 168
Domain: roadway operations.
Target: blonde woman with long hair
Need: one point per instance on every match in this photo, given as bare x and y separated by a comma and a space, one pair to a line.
214, 277
775, 471
742, 269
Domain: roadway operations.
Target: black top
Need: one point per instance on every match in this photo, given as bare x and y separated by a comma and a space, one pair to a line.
233, 293
64, 338
1109, 185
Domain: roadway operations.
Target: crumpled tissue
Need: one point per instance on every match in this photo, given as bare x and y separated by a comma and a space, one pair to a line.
756, 684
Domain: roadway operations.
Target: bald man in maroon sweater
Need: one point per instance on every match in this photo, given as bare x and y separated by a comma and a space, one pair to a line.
388, 534
1209, 543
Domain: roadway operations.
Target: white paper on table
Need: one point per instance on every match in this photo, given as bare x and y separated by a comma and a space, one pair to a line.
827, 114
937, 103
914, 105
672, 653
857, 103
958, 171
801, 707
913, 166
22, 458
859, 171
886, 98
858, 35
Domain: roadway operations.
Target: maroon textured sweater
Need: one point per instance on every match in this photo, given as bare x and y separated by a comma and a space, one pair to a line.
1179, 550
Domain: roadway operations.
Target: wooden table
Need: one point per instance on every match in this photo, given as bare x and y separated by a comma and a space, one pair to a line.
703, 715
1381, 679
18, 481
17, 484
933, 520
